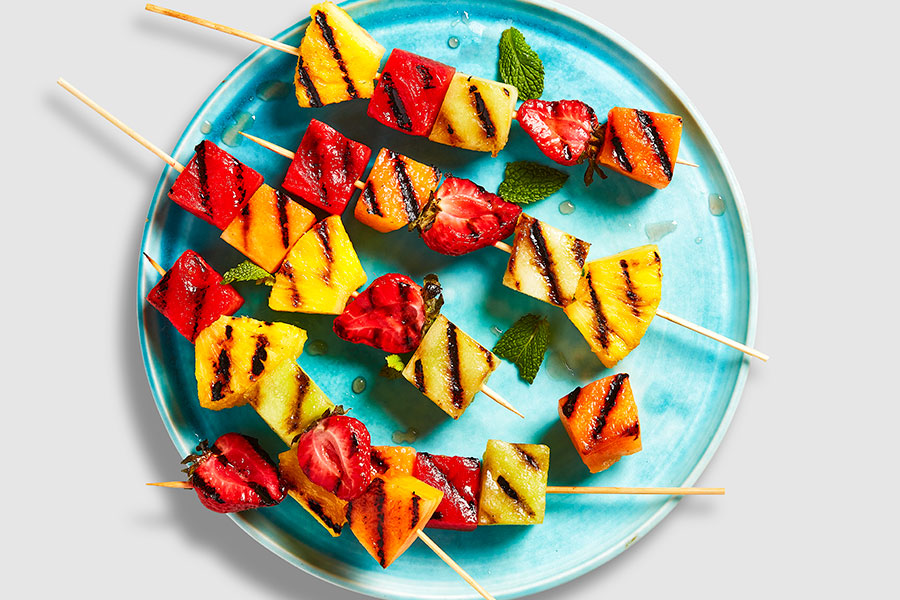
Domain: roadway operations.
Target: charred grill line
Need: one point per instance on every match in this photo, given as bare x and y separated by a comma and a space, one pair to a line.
513, 494
319, 511
633, 298
602, 326
571, 400
239, 177
427, 77
380, 499
395, 102
414, 510
281, 201
223, 375
163, 290
264, 496
288, 271
527, 457
633, 431
328, 34
292, 423
309, 87
619, 150
410, 202
371, 200
483, 113
657, 144
419, 375
325, 239
202, 177
609, 402
544, 260
258, 362
208, 490
198, 311
456, 390
580, 250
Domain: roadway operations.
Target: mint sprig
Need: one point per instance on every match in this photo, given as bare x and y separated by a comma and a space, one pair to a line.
393, 367
520, 65
248, 271
524, 344
526, 182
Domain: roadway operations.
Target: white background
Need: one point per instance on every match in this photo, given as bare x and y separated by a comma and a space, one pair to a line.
803, 98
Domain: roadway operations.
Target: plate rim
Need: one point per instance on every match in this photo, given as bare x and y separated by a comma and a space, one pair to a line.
183, 445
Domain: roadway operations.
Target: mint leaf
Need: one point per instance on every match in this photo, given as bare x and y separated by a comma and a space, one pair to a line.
393, 367
526, 182
520, 65
248, 271
524, 344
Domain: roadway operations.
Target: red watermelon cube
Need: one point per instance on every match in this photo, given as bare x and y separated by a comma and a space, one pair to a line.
191, 297
214, 185
325, 167
410, 92
459, 478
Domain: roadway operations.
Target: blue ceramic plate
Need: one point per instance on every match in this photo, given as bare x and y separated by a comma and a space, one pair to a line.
686, 386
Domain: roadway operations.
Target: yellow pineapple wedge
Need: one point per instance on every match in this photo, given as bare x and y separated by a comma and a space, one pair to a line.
320, 272
449, 367
338, 59
545, 263
476, 114
329, 510
288, 401
513, 483
235, 353
616, 299
388, 515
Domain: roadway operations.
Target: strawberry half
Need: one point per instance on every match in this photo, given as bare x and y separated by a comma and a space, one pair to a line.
336, 454
463, 217
562, 129
234, 474
388, 315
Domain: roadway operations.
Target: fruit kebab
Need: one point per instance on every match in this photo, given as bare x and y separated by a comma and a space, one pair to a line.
338, 60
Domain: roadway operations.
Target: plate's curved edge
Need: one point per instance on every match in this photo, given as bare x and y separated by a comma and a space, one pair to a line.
184, 446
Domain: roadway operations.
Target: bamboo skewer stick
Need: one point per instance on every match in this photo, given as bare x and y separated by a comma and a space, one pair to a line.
713, 335
452, 564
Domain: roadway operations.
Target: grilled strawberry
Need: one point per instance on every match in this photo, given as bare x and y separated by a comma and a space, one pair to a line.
336, 454
459, 478
234, 474
463, 217
562, 129
388, 315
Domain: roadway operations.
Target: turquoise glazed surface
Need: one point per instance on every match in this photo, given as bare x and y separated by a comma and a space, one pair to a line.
686, 386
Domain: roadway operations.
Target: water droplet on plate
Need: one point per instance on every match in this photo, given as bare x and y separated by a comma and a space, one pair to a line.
453, 42
558, 367
698, 240
408, 436
272, 90
657, 231
232, 134
716, 205
496, 330
566, 207
359, 385
317, 348
206, 127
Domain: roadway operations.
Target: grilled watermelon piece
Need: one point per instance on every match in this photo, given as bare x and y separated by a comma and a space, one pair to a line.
235, 353
602, 421
410, 92
475, 115
338, 59
615, 301
545, 263
449, 367
320, 272
513, 483
389, 514
396, 190
459, 478
397, 459
325, 167
326, 508
190, 297
267, 226
642, 145
388, 315
289, 401
214, 185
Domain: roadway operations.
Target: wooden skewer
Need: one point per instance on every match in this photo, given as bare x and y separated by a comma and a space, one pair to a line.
667, 491
499, 399
173, 484
155, 264
452, 564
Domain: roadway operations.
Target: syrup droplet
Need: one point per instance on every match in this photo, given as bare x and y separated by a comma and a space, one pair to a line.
453, 42
566, 207
206, 127
716, 205
242, 122
272, 90
359, 385
657, 231
317, 348
698, 240
408, 436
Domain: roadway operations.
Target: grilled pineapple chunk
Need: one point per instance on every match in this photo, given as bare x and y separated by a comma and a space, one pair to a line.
388, 515
545, 263
235, 353
338, 59
449, 367
319, 273
513, 483
476, 114
602, 421
288, 401
329, 510
616, 299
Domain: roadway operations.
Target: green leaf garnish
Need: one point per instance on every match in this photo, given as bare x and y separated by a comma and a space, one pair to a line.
526, 182
524, 344
248, 271
393, 367
520, 65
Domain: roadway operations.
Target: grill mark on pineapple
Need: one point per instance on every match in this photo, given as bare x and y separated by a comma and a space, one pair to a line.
222, 375
482, 112
258, 362
580, 250
295, 419
527, 457
514, 495
303, 78
544, 261
427, 77
602, 334
407, 191
328, 34
202, 177
371, 200
419, 376
287, 269
324, 235
281, 201
632, 297
571, 400
618, 149
657, 144
609, 402
315, 507
456, 390
395, 103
